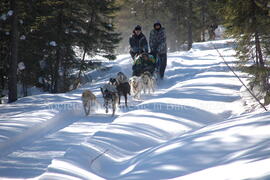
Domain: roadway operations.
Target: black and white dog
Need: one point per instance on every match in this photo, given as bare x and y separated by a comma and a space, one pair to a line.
110, 96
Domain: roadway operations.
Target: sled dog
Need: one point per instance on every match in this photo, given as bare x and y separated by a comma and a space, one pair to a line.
110, 96
121, 78
88, 100
148, 82
123, 89
136, 86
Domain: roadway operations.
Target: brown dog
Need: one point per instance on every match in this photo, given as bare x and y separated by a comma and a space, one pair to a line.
88, 100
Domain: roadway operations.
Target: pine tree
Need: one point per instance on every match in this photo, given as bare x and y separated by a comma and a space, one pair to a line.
248, 22
49, 32
99, 35
12, 75
4, 45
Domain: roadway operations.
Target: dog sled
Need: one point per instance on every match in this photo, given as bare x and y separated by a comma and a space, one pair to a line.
145, 62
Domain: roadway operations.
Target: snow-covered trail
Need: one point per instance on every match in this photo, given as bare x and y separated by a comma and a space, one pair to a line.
198, 91
36, 129
192, 126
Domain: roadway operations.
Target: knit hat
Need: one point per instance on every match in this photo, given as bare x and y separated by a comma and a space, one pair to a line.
138, 27
156, 24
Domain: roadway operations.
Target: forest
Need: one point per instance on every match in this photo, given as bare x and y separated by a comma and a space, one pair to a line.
40, 40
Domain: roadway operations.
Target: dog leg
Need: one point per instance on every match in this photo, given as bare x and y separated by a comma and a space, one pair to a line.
138, 95
113, 108
92, 105
119, 99
106, 108
153, 87
84, 107
88, 108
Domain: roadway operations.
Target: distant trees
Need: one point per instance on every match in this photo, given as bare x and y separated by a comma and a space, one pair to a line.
248, 21
185, 20
47, 33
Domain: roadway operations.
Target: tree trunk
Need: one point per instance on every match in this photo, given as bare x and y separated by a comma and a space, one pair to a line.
262, 75
57, 68
259, 50
203, 16
24, 83
12, 74
85, 49
189, 21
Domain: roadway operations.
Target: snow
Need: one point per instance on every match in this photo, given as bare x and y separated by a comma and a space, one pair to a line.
3, 17
53, 43
195, 126
23, 37
21, 66
10, 13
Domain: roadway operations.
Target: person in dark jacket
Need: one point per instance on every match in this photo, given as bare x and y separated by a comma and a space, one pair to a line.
138, 42
158, 46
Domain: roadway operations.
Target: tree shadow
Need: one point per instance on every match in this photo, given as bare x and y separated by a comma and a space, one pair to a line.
201, 151
31, 157
126, 141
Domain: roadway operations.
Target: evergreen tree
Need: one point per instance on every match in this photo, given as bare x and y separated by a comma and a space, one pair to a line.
48, 34
249, 23
99, 36
4, 45
12, 71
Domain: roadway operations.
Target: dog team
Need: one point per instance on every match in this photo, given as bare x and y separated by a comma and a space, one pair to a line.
117, 87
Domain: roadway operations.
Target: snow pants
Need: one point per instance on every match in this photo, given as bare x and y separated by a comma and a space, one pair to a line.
162, 64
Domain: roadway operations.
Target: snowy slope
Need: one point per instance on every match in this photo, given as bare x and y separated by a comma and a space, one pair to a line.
195, 126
